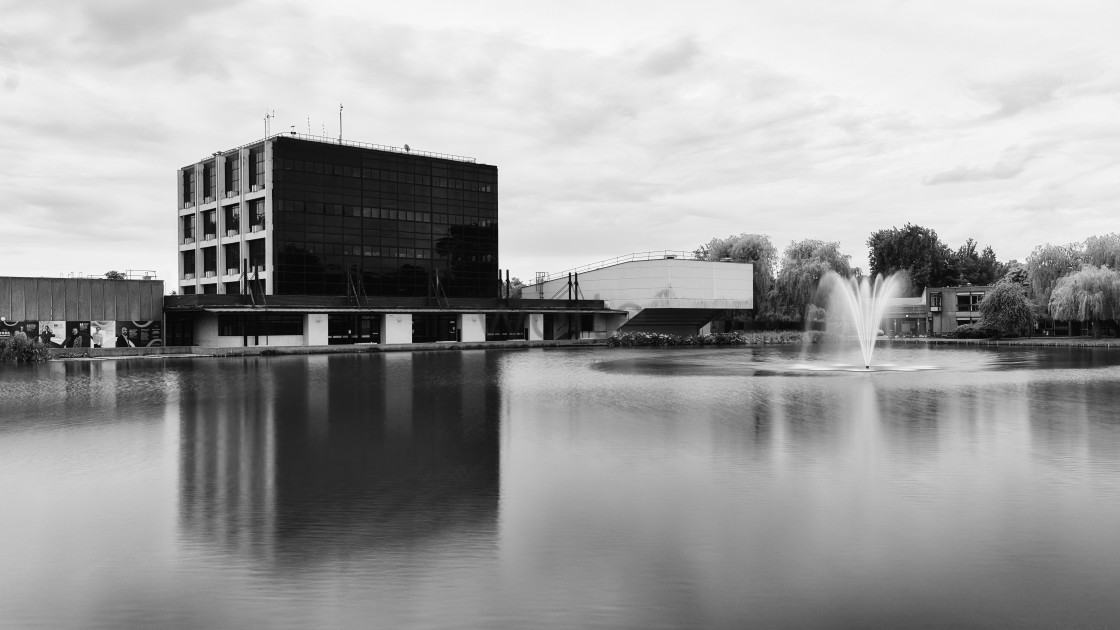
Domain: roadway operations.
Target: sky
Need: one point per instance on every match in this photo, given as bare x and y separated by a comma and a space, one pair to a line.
617, 127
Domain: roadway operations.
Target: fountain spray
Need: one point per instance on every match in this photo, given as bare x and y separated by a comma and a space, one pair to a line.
866, 303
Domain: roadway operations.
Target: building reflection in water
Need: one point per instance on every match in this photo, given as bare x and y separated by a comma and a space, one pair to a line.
297, 459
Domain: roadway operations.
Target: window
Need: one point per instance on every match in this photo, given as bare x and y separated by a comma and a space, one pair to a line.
969, 302
231, 217
189, 268
256, 215
188, 186
237, 325
935, 301
189, 290
208, 181
233, 174
210, 289
209, 225
188, 229
210, 261
256, 254
256, 168
231, 288
232, 253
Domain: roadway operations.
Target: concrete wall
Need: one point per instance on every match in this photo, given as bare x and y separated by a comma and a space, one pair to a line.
396, 328
80, 299
536, 326
665, 283
315, 329
472, 327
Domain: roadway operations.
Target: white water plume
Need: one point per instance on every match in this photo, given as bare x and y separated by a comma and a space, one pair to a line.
866, 303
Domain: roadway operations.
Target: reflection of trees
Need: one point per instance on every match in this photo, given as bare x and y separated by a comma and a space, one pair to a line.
471, 252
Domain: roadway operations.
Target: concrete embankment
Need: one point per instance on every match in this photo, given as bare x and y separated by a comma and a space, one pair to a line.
63, 354
1045, 342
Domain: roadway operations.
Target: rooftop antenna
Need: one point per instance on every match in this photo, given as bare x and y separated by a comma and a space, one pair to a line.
267, 118
309, 125
340, 122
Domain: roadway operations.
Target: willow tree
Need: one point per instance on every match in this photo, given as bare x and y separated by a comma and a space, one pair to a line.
1006, 308
804, 263
1092, 294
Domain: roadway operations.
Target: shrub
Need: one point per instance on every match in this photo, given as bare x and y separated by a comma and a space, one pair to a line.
737, 338
973, 331
13, 350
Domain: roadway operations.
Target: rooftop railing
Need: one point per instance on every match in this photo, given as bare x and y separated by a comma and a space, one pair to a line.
406, 150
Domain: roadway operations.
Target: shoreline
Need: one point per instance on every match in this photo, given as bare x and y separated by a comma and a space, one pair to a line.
185, 352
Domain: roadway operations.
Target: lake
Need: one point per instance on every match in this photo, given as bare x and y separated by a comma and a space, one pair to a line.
565, 488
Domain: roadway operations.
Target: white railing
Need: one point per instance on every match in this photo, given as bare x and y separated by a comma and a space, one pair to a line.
666, 254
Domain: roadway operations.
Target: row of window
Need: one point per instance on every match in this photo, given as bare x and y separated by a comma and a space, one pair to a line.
232, 179
299, 171
240, 325
231, 257
231, 222
463, 216
966, 302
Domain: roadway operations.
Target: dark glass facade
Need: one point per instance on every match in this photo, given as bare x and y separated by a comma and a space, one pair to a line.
350, 219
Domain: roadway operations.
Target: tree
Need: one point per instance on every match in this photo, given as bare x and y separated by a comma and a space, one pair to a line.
914, 249
1017, 273
1006, 308
969, 267
753, 248
1049, 262
1102, 251
1092, 294
515, 286
115, 275
804, 263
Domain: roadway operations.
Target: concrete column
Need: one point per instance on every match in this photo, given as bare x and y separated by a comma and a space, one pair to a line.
472, 327
206, 330
396, 328
536, 326
706, 329
315, 329
614, 322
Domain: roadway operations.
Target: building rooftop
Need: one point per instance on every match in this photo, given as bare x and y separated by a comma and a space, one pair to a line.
406, 150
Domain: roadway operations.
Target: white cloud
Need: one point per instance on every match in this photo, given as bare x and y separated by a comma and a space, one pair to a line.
616, 126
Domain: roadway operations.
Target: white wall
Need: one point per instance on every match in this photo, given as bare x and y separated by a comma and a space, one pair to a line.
315, 329
666, 283
396, 328
472, 327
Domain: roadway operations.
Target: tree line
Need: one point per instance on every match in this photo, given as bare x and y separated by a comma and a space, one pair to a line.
1074, 282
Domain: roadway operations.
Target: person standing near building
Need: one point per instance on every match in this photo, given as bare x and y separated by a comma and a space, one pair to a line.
96, 338
47, 335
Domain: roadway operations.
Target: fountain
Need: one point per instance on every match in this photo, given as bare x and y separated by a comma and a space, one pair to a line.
866, 303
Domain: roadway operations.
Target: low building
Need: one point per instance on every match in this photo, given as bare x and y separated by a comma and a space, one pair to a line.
950, 307
668, 292
82, 312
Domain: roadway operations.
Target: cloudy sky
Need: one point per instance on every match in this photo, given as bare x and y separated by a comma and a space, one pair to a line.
617, 127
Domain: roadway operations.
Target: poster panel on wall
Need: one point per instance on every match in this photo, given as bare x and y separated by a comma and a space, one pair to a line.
102, 334
77, 334
139, 334
28, 330
52, 333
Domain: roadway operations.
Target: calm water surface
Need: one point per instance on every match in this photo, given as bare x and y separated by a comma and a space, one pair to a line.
564, 489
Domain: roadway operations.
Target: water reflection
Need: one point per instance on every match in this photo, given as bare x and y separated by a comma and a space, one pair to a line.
299, 459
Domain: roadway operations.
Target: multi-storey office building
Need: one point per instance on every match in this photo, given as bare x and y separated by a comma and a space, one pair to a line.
302, 240
292, 216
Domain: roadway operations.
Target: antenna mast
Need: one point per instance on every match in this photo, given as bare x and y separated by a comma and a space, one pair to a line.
340, 122
267, 119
